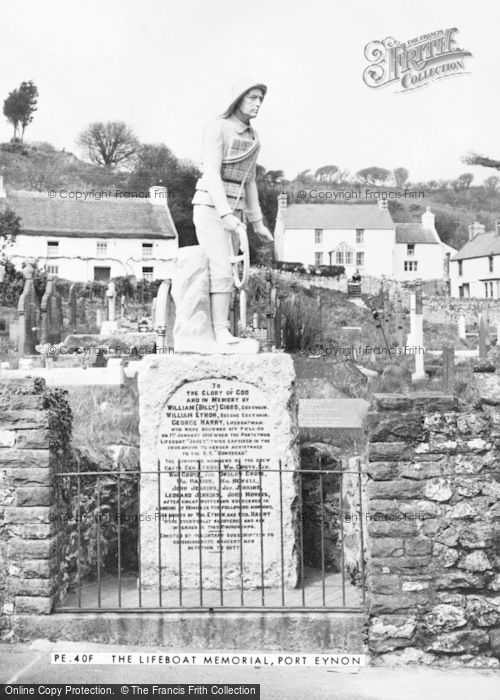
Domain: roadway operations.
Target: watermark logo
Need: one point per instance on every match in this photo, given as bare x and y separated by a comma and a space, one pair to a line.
415, 63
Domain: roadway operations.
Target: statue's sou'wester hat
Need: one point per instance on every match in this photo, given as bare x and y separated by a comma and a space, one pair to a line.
238, 90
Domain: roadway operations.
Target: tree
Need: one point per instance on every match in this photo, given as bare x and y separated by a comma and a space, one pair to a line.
10, 226
109, 144
20, 105
156, 164
491, 183
274, 177
304, 178
465, 180
326, 174
270, 183
401, 176
373, 175
477, 159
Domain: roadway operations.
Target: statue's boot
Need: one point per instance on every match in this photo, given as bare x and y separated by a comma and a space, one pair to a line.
219, 303
226, 342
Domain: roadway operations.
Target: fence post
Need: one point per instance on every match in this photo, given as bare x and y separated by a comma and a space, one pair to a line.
418, 333
448, 368
483, 336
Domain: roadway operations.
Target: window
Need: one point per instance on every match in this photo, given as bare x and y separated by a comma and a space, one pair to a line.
318, 235
339, 258
348, 257
52, 269
490, 261
318, 258
102, 249
147, 250
410, 266
147, 273
360, 259
52, 249
102, 274
360, 236
488, 290
410, 249
460, 270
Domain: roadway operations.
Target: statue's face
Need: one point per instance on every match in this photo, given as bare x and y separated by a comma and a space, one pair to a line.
250, 103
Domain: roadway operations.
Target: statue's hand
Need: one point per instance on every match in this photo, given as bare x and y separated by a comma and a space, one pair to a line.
231, 223
262, 231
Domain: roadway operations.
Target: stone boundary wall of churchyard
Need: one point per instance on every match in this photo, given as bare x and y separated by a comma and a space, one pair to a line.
435, 308
33, 433
433, 529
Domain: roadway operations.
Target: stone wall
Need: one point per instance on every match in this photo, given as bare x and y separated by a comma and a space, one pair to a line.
436, 309
433, 514
28, 535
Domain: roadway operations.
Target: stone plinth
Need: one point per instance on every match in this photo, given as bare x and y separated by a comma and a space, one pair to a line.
213, 432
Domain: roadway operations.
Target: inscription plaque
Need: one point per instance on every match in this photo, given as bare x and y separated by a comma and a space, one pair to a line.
223, 512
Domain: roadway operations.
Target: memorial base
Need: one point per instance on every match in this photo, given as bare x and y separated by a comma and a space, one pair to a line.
219, 455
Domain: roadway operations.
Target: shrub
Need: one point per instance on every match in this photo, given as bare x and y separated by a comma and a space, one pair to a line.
327, 270
291, 266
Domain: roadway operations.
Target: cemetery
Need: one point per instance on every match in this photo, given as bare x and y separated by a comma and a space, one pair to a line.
341, 482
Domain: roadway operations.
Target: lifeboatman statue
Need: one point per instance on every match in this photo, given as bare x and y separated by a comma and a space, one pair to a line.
225, 198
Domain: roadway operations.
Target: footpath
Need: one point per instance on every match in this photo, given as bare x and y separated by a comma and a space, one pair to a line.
30, 663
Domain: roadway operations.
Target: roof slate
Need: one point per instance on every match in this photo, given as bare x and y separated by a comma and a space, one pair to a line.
483, 244
331, 216
414, 233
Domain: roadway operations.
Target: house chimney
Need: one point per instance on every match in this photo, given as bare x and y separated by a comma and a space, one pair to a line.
475, 229
282, 201
158, 195
428, 220
497, 227
382, 204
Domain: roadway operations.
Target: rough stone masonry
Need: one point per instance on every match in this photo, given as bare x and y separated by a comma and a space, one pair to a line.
433, 537
28, 530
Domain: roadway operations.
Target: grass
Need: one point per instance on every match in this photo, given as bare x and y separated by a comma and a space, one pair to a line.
104, 416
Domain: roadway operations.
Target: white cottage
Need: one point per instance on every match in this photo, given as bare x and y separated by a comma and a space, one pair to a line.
419, 252
357, 236
475, 269
94, 239
360, 237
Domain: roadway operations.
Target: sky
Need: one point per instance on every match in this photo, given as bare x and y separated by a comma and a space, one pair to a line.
166, 67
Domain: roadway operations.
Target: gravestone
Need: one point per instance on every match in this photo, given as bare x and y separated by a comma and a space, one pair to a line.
242, 323
234, 308
29, 315
448, 368
164, 315
82, 310
98, 318
110, 325
52, 315
416, 335
461, 327
484, 336
111, 299
213, 431
72, 303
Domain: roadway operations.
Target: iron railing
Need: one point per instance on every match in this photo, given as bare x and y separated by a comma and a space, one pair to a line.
115, 558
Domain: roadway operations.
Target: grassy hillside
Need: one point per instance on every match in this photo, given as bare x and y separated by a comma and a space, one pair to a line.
39, 166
